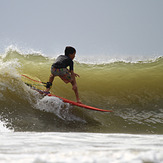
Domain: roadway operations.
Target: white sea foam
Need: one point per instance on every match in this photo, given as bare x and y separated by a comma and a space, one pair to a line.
106, 59
51, 104
58, 107
9, 67
21, 50
87, 59
3, 128
80, 147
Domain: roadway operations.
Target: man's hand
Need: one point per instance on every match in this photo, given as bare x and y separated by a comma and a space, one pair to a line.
76, 75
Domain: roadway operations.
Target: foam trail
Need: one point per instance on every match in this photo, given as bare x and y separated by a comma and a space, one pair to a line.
58, 107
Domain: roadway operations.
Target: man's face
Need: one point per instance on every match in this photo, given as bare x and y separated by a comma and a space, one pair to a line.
72, 56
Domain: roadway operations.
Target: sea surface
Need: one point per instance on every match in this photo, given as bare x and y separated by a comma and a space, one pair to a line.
36, 128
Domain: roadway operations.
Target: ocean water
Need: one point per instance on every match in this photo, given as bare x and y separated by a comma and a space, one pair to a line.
36, 147
36, 128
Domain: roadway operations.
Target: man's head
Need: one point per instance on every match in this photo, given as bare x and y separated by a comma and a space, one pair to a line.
70, 52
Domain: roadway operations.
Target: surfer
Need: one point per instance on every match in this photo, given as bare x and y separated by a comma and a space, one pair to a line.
59, 68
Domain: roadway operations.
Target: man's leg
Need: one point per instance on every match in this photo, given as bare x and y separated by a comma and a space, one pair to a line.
75, 88
51, 78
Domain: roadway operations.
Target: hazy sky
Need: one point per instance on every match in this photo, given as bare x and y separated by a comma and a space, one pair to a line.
132, 27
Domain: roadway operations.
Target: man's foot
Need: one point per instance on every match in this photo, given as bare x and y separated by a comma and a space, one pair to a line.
78, 101
45, 93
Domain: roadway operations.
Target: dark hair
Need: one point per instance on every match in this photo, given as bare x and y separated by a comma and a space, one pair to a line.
69, 50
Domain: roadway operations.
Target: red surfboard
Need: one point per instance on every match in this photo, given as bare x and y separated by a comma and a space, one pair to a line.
79, 104
63, 99
69, 101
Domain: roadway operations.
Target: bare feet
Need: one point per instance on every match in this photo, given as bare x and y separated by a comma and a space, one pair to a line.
78, 101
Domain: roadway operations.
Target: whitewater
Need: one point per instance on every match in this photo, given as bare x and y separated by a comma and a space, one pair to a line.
35, 128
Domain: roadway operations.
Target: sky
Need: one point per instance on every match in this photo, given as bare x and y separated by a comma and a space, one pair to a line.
93, 27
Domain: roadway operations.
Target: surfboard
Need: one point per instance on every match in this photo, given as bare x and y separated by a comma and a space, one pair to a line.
79, 104
63, 99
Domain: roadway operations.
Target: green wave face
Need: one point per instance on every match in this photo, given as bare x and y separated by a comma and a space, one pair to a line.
134, 91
